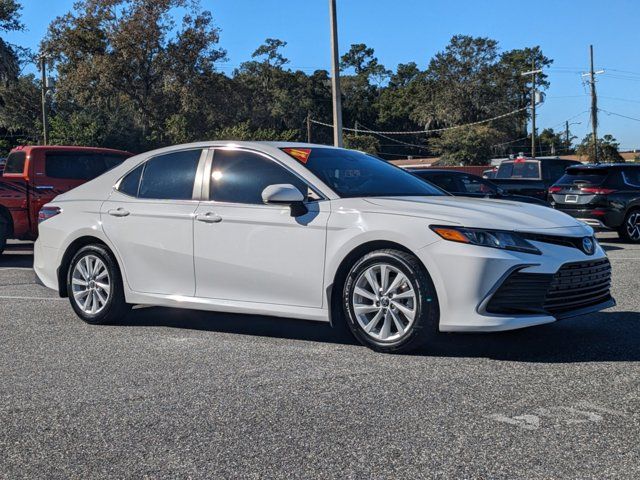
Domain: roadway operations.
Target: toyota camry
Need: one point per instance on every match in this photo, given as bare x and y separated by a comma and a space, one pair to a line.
317, 233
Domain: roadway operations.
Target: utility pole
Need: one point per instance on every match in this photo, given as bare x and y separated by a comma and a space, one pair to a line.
308, 127
533, 74
566, 131
594, 105
45, 119
335, 77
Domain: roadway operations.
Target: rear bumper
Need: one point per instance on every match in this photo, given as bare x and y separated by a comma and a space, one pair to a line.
607, 219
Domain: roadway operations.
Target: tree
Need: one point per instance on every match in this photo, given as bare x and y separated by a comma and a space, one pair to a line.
127, 66
9, 21
364, 143
552, 143
467, 146
607, 149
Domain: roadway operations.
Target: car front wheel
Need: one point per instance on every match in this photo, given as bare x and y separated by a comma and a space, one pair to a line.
390, 303
94, 286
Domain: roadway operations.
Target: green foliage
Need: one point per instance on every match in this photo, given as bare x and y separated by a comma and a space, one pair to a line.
607, 149
242, 131
364, 143
553, 143
467, 146
9, 54
140, 74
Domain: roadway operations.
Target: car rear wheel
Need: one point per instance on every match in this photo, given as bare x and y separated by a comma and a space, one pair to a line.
94, 286
390, 303
630, 230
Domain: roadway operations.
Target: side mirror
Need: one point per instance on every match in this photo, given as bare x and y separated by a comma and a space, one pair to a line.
283, 193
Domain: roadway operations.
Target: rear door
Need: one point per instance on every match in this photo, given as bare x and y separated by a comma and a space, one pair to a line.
149, 220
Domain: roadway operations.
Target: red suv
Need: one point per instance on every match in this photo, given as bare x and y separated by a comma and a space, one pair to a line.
34, 175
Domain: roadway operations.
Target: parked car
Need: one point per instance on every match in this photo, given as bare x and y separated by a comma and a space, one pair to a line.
531, 176
34, 175
317, 233
468, 185
490, 173
604, 196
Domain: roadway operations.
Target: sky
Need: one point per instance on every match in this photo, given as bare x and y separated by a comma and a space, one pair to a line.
401, 31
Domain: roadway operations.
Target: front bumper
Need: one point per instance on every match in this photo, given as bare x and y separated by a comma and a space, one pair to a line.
466, 277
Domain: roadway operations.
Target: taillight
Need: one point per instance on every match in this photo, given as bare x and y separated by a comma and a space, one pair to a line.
597, 190
554, 189
46, 213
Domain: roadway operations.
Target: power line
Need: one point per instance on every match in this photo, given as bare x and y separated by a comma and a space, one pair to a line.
619, 115
435, 130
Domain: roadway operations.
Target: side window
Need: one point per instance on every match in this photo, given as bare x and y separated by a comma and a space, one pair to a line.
79, 166
15, 163
130, 183
445, 182
239, 176
473, 185
632, 177
170, 176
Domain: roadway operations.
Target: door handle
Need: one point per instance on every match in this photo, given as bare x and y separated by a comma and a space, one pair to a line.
209, 217
118, 212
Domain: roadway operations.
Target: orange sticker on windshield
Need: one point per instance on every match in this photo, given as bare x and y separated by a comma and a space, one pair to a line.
300, 154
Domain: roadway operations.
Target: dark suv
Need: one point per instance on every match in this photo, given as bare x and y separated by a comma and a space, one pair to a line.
603, 196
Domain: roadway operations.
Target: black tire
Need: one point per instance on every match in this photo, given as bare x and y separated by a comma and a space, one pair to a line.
424, 303
625, 231
115, 307
4, 233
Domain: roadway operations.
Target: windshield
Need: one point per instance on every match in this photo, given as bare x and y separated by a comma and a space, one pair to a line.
519, 169
356, 174
591, 176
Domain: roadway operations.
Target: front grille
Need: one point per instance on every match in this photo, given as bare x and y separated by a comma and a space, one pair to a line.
579, 285
574, 286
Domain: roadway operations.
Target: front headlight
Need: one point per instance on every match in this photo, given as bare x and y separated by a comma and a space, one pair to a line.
486, 238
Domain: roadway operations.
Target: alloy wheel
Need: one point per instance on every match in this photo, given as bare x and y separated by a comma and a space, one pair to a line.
633, 226
384, 302
91, 284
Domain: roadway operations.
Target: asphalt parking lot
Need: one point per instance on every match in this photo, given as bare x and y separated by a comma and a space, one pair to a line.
178, 394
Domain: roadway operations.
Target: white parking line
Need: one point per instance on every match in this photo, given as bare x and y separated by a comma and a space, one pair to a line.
11, 297
4, 269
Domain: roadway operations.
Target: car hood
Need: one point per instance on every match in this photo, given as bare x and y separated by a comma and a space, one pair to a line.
480, 213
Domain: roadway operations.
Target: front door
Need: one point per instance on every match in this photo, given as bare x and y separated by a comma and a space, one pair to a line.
149, 220
251, 252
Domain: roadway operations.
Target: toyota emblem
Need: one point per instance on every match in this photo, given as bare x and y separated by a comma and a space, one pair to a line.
588, 245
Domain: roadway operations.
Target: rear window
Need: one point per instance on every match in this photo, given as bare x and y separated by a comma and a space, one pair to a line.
15, 163
80, 166
527, 169
586, 176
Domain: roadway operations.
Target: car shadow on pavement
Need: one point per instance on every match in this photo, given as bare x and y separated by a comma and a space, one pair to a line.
257, 325
602, 337
17, 256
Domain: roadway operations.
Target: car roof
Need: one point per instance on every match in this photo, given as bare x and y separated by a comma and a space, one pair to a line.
440, 171
67, 148
591, 166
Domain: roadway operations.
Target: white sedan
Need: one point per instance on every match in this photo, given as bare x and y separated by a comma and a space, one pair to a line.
316, 233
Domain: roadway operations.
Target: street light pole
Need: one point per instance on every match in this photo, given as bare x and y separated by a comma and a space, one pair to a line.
335, 77
45, 119
533, 73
